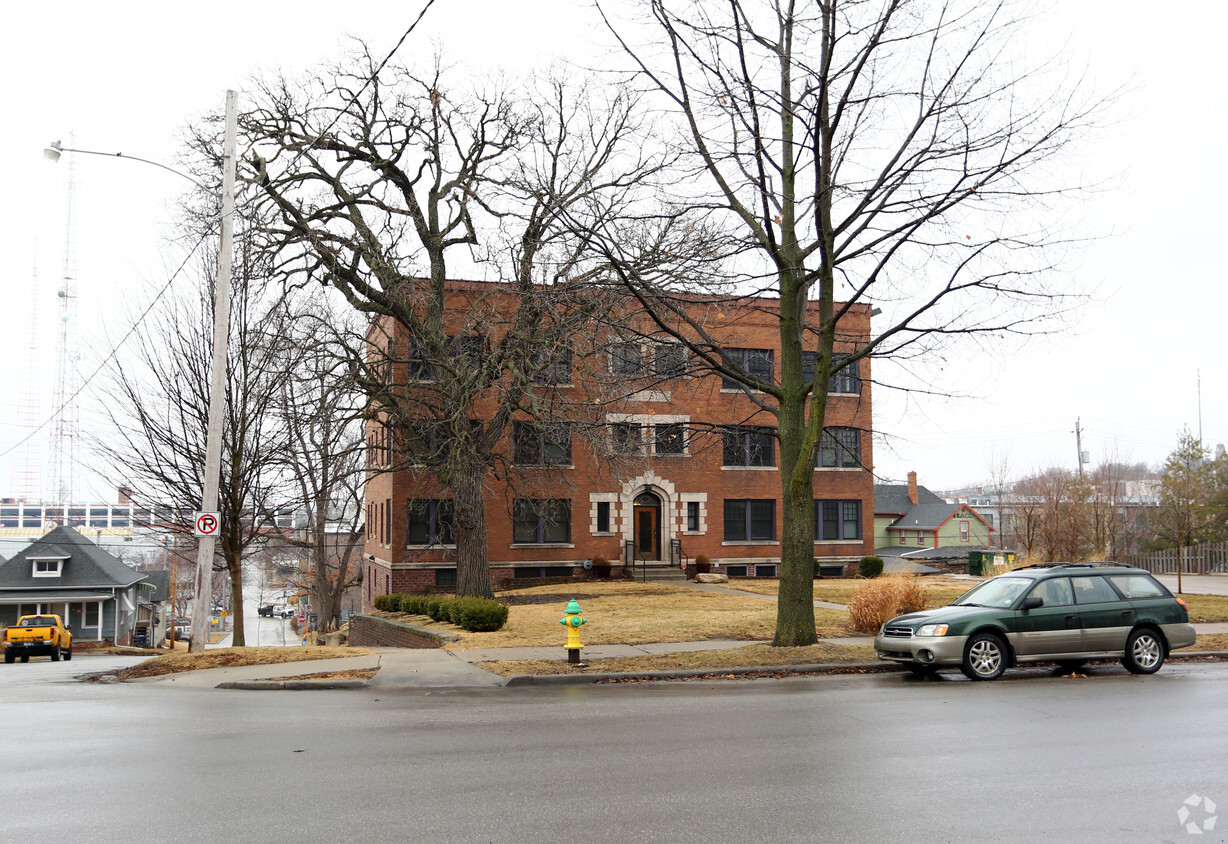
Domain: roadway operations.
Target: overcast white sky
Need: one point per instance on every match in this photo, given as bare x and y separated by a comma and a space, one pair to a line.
127, 76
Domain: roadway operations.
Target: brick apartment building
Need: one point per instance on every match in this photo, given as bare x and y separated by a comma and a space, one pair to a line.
683, 463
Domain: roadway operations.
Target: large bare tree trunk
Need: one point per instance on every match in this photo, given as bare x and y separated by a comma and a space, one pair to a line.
472, 563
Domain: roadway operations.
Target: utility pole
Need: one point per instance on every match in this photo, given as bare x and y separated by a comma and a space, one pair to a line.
1078, 432
217, 385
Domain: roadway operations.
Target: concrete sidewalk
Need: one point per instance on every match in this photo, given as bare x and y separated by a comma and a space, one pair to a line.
410, 668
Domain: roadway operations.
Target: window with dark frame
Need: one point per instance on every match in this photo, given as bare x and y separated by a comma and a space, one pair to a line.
627, 359
670, 438
551, 365
468, 348
430, 521
759, 363
748, 446
692, 516
541, 521
626, 438
840, 448
419, 368
750, 520
669, 360
836, 520
544, 445
603, 517
844, 379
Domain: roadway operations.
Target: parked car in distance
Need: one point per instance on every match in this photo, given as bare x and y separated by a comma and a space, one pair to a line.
183, 632
265, 610
1066, 613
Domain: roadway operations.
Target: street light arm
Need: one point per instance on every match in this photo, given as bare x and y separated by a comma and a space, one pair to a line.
54, 149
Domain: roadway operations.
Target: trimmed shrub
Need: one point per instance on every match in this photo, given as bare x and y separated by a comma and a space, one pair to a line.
870, 567
437, 608
478, 615
883, 598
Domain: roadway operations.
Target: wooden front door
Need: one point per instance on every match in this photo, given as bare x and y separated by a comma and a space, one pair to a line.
647, 542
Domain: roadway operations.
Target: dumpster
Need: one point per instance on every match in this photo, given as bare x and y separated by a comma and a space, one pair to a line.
980, 562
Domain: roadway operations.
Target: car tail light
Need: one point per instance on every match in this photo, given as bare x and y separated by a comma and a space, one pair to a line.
1183, 604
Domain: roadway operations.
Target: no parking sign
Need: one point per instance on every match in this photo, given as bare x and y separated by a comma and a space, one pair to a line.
208, 524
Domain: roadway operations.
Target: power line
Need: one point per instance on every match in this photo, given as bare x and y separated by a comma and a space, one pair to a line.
115, 350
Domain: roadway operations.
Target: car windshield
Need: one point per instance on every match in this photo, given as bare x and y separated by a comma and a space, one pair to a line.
1000, 593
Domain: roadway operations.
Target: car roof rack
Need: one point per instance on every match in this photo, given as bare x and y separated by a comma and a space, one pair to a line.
1103, 565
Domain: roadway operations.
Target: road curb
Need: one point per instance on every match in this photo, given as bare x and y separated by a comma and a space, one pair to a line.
519, 680
715, 673
293, 685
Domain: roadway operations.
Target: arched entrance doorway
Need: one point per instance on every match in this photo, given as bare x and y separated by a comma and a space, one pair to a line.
647, 522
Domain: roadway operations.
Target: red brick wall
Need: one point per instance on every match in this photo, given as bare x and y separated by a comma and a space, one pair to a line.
375, 632
703, 402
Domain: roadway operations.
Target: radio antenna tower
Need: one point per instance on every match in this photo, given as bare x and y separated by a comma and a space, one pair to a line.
64, 427
27, 471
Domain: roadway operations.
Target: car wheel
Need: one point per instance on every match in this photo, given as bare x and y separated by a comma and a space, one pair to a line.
1144, 652
55, 654
984, 657
25, 658
920, 670
68, 653
10, 658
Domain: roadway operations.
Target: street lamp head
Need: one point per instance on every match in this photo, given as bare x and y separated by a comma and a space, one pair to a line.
52, 151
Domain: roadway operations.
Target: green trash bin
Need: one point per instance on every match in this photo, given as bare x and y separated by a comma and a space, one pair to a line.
976, 563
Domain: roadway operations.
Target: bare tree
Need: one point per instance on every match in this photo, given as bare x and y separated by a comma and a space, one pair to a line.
885, 154
157, 408
322, 411
377, 185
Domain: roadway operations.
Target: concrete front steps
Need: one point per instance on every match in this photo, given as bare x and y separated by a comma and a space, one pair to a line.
659, 573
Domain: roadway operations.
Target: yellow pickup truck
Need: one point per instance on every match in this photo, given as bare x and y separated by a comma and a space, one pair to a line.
36, 635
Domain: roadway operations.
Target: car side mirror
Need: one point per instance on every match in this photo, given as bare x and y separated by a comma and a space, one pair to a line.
1032, 602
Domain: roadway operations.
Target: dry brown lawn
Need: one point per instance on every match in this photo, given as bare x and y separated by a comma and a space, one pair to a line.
173, 663
1210, 642
635, 613
749, 656
1206, 608
939, 591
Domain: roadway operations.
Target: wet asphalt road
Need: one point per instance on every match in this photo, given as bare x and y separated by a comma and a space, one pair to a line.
847, 758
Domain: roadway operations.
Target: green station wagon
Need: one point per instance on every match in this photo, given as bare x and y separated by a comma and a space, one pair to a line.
1066, 613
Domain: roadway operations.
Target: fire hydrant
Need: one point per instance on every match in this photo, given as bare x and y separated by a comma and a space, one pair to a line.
573, 622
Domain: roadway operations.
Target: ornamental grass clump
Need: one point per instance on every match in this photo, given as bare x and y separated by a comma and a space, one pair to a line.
875, 601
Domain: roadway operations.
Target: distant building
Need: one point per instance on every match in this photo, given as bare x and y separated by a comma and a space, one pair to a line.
64, 573
913, 523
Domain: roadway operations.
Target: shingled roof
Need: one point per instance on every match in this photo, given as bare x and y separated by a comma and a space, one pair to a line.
86, 566
893, 498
